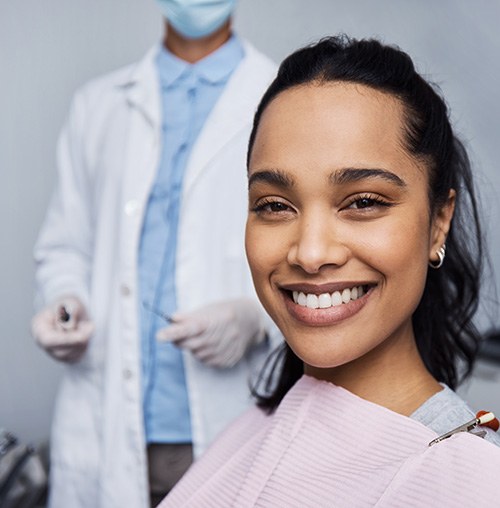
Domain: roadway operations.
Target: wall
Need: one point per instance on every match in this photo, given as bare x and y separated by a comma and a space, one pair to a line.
48, 48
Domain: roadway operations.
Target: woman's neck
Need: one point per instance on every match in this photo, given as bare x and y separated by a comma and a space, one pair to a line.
398, 381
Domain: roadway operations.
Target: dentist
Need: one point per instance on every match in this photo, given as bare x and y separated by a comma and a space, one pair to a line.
141, 267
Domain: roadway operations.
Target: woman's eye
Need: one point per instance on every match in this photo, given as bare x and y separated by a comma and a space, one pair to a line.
271, 207
276, 207
364, 202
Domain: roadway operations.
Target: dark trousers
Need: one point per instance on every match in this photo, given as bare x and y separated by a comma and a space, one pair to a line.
166, 465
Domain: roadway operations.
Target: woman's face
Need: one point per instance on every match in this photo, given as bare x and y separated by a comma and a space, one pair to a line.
339, 232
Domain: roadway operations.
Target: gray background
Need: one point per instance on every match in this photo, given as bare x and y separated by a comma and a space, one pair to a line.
49, 47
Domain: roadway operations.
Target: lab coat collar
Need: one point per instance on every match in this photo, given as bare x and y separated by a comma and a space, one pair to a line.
142, 88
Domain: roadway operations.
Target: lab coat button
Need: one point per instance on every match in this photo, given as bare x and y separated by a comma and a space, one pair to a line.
131, 207
125, 290
127, 374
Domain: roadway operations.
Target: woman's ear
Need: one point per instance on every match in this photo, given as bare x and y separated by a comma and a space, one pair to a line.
440, 226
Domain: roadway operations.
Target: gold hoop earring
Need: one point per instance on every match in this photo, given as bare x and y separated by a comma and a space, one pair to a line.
441, 252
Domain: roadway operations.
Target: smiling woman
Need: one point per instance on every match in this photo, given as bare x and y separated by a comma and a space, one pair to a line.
350, 235
356, 184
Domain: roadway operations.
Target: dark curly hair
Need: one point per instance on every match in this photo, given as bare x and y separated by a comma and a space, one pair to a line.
445, 334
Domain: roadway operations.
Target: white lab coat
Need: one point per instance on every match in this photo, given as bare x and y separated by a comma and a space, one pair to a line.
107, 158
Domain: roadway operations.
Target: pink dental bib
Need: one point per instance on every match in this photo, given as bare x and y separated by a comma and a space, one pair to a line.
325, 447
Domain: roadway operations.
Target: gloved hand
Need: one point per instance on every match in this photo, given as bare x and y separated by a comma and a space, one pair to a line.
63, 329
218, 334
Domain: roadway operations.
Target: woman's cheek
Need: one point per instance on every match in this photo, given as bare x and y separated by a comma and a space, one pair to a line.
254, 250
394, 243
266, 250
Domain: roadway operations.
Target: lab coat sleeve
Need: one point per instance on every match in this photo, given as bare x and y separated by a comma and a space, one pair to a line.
63, 252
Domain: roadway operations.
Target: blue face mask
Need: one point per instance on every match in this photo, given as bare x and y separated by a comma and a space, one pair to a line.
196, 18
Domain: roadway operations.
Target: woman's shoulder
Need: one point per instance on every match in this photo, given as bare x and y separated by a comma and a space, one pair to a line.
445, 411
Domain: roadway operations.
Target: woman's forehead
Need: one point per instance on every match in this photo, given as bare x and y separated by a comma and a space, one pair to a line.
334, 96
335, 124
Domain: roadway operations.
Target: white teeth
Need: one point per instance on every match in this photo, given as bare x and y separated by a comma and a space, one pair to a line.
336, 299
346, 295
312, 301
327, 300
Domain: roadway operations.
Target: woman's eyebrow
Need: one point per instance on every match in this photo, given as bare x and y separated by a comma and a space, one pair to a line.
271, 176
348, 175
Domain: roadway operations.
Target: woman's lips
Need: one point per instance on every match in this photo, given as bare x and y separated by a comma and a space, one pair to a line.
307, 314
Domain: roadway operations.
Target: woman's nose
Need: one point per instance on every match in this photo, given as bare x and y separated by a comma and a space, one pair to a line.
317, 244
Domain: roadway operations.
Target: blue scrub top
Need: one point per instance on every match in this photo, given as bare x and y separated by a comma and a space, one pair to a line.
188, 94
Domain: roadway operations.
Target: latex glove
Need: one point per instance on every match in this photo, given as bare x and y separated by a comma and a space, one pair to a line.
220, 333
63, 329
